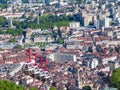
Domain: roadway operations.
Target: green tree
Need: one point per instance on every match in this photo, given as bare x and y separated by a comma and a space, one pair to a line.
1, 32
3, 21
7, 85
11, 31
14, 32
46, 22
13, 40
3, 6
32, 88
115, 78
91, 23
60, 41
30, 17
113, 23
79, 1
53, 88
87, 88
19, 47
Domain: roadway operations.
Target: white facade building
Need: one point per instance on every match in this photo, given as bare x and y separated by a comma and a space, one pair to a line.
74, 24
106, 22
63, 57
94, 63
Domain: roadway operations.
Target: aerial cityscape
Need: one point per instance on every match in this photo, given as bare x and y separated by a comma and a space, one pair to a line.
59, 44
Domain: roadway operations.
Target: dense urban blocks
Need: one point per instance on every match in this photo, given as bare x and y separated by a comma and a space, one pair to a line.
70, 44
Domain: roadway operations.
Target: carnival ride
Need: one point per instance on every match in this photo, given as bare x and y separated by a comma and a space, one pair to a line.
32, 68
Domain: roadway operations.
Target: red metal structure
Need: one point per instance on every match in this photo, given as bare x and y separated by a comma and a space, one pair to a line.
35, 59
46, 65
41, 62
28, 53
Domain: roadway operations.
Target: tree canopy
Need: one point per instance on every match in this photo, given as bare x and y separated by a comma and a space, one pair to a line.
3, 21
53, 88
2, 6
14, 32
19, 47
32, 88
79, 1
45, 22
7, 85
50, 21
115, 79
87, 88
60, 41
13, 40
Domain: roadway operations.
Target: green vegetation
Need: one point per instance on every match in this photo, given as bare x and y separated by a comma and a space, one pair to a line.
115, 79
91, 23
60, 41
2, 32
13, 40
33, 88
19, 47
7, 85
113, 23
14, 32
79, 1
27, 45
42, 44
3, 21
20, 24
47, 25
46, 22
53, 88
50, 21
3, 6
30, 17
87, 88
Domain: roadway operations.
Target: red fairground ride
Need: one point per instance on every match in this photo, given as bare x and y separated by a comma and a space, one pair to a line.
28, 54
